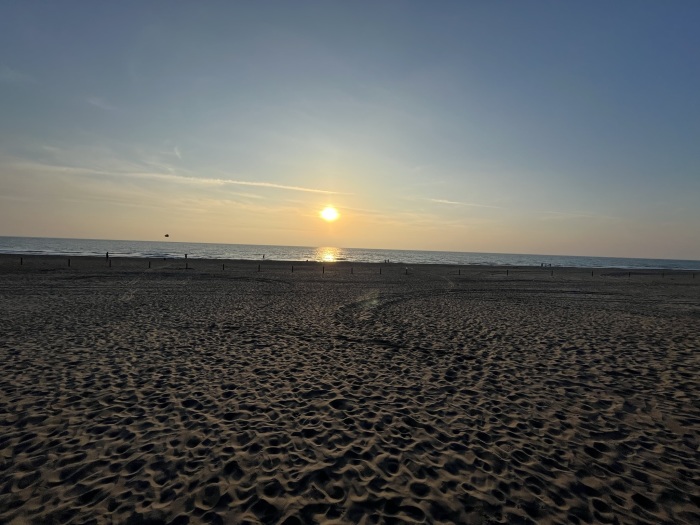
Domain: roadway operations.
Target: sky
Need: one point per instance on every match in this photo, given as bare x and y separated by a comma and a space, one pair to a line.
544, 127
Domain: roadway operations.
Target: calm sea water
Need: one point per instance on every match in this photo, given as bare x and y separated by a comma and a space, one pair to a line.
173, 249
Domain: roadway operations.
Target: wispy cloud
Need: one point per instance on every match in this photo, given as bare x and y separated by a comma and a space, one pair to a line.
575, 215
50, 168
176, 151
35, 182
12, 76
457, 203
217, 181
135, 172
275, 186
99, 102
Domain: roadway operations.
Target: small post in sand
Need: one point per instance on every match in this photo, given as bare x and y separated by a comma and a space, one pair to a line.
222, 267
107, 256
292, 268
407, 270
68, 263
323, 269
149, 265
258, 267
21, 263
507, 273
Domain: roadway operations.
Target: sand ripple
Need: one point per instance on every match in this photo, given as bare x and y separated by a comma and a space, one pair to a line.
202, 397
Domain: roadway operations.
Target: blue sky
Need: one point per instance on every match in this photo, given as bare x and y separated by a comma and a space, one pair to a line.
536, 127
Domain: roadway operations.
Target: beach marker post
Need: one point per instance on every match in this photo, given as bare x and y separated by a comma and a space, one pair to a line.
222, 267
149, 265
21, 263
406, 270
323, 269
507, 273
68, 263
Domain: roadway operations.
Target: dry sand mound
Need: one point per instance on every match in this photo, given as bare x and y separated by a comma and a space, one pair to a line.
168, 395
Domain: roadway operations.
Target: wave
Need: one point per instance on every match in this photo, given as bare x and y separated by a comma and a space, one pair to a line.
327, 255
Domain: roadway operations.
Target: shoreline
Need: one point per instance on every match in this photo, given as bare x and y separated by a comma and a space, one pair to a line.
158, 249
209, 264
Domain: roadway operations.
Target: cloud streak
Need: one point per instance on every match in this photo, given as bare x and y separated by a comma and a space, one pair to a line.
457, 203
219, 181
204, 181
576, 215
275, 186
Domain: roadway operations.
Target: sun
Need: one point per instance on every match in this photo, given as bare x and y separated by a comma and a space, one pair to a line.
329, 213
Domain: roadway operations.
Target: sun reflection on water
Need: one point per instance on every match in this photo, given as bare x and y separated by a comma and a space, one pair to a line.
328, 254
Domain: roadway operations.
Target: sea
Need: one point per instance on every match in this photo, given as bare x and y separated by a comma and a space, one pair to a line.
194, 250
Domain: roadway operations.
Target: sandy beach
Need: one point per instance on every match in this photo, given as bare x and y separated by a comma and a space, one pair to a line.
273, 392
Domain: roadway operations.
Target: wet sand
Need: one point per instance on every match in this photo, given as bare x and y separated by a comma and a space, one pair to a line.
339, 394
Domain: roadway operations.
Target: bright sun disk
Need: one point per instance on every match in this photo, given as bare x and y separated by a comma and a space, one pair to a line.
329, 213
